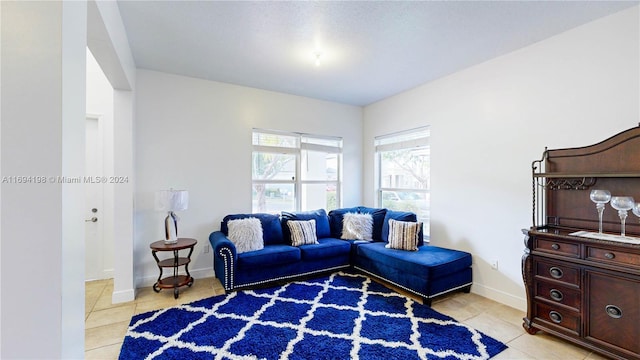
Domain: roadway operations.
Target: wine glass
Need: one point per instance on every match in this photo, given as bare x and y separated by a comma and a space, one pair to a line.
622, 204
600, 197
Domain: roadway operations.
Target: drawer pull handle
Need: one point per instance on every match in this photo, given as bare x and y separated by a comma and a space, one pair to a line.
555, 247
609, 255
555, 272
613, 311
555, 316
556, 295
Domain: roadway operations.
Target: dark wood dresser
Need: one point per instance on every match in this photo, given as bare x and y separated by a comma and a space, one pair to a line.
585, 287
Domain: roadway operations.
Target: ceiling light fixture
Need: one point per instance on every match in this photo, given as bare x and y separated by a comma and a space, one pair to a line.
317, 54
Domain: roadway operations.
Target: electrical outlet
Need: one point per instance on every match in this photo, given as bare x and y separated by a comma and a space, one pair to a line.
206, 248
494, 264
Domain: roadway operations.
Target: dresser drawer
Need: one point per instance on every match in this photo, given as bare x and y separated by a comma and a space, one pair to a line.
558, 294
613, 256
557, 271
557, 247
562, 319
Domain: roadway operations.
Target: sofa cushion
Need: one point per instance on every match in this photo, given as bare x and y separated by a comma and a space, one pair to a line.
335, 220
246, 234
357, 227
269, 256
303, 232
326, 248
403, 235
378, 220
320, 216
400, 216
271, 229
429, 261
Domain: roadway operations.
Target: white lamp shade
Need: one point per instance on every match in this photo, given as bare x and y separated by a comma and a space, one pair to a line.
172, 200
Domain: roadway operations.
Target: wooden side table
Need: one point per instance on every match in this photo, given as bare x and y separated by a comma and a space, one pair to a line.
175, 281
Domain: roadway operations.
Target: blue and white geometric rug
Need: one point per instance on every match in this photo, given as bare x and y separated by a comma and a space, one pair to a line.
341, 316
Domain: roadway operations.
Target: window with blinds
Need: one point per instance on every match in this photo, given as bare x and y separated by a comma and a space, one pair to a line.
403, 172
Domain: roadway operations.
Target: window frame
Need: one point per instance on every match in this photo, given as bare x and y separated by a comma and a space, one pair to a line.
403, 140
301, 146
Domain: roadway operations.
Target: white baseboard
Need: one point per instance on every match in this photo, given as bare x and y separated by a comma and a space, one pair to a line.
123, 296
516, 302
196, 274
108, 273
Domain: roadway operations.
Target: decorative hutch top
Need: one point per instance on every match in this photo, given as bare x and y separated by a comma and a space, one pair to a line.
563, 179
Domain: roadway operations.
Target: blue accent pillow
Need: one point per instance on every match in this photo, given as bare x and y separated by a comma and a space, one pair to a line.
378, 220
323, 229
335, 220
399, 216
271, 229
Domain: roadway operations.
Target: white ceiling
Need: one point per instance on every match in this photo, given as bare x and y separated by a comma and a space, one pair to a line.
370, 50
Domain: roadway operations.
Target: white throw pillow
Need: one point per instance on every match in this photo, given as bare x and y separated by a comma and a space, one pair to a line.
357, 226
246, 234
403, 235
303, 232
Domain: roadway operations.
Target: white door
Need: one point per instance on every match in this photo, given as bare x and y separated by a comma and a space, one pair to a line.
94, 199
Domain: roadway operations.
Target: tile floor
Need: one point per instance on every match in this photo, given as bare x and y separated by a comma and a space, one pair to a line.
106, 323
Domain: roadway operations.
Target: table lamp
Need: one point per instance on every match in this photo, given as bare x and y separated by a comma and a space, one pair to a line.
170, 201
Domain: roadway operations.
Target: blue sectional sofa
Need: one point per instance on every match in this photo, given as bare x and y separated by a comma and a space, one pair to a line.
278, 260
428, 272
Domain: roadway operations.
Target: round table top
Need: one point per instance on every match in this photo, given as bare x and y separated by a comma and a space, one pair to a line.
182, 243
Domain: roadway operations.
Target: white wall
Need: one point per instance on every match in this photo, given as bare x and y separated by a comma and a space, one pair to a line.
196, 135
42, 227
489, 122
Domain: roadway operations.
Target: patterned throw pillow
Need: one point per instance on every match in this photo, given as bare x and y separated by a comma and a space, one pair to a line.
246, 234
357, 226
403, 235
303, 232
